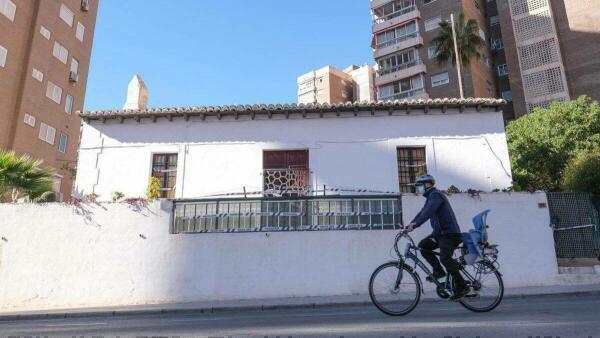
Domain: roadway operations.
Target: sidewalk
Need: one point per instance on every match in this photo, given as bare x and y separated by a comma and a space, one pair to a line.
271, 304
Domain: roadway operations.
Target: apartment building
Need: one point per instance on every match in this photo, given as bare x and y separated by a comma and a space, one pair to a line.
330, 85
402, 46
45, 48
552, 50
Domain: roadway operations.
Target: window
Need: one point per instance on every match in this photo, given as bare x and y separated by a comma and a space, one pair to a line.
164, 167
497, 44
507, 95
29, 120
402, 89
45, 32
427, 1
9, 9
439, 79
74, 65
3, 55
393, 9
494, 20
60, 52
486, 60
398, 34
285, 172
62, 143
404, 59
482, 34
502, 69
432, 24
80, 32
54, 92
66, 15
37, 75
47, 133
69, 104
431, 52
411, 164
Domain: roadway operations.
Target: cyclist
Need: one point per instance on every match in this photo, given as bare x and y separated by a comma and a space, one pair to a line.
446, 234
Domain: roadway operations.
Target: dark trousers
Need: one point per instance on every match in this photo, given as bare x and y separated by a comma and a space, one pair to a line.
447, 244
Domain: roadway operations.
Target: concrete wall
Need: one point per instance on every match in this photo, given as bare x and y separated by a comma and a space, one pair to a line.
58, 256
467, 150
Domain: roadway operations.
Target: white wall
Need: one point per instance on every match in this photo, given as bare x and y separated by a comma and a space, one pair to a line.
467, 150
57, 256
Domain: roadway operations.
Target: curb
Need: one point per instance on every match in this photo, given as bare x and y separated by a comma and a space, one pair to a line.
254, 308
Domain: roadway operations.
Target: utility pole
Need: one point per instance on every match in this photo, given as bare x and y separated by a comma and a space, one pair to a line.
457, 57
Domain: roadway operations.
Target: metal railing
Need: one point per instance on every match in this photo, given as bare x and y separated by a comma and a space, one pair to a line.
287, 214
385, 71
390, 16
404, 95
398, 39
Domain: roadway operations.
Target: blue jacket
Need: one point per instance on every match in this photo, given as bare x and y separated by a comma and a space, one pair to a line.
437, 209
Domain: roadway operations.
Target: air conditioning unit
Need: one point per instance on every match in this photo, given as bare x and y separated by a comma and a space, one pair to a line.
85, 5
73, 77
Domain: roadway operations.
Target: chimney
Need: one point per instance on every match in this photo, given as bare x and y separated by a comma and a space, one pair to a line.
137, 94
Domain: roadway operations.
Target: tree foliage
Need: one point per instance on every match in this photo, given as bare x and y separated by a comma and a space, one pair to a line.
544, 142
468, 40
583, 174
24, 177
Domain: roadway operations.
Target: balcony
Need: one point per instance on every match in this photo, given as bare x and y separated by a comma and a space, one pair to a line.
318, 213
398, 44
379, 3
394, 19
286, 182
400, 72
418, 93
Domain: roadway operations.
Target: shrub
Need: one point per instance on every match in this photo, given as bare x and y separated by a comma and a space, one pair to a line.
583, 173
117, 195
153, 189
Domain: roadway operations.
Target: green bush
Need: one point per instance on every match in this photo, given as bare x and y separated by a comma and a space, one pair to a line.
153, 189
544, 142
583, 174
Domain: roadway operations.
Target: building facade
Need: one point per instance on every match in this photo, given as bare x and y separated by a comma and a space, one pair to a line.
383, 146
330, 85
552, 50
45, 48
402, 46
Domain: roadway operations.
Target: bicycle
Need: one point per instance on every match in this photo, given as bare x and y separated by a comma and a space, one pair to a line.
395, 281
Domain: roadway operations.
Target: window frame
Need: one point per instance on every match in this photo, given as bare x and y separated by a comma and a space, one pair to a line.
3, 56
166, 170
9, 10
440, 82
62, 51
407, 178
45, 131
80, 30
69, 99
56, 92
438, 19
29, 120
504, 68
65, 137
65, 9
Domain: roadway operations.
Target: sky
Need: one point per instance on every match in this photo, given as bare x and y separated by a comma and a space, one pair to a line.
217, 52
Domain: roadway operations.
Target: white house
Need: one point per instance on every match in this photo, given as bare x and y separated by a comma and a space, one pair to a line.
204, 151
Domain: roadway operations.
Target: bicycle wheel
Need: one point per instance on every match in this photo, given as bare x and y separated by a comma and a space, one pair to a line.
392, 300
487, 288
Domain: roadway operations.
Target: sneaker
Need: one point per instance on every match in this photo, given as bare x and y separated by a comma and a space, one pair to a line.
460, 294
436, 276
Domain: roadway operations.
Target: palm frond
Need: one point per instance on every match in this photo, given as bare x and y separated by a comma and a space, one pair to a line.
468, 40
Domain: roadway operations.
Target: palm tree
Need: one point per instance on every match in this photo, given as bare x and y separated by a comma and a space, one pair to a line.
467, 38
22, 176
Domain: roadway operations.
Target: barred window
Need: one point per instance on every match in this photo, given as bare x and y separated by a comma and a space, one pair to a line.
164, 167
412, 163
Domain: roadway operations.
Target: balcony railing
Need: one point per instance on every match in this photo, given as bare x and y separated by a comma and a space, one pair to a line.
404, 95
390, 16
286, 182
287, 214
385, 71
398, 39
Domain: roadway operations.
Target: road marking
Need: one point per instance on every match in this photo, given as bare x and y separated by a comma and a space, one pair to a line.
75, 324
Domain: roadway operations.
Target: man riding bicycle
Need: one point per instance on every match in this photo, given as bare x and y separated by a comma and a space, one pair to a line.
446, 234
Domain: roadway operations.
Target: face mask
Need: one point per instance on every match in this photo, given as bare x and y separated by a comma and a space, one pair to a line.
421, 189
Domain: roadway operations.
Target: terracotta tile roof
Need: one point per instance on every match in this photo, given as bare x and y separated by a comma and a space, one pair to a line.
269, 109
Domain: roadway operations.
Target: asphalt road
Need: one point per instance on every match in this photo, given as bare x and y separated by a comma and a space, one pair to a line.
555, 316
